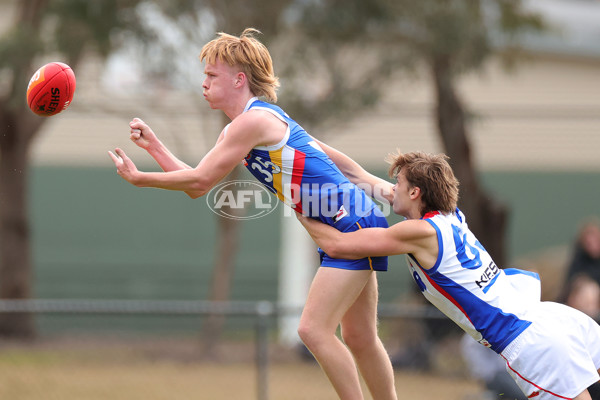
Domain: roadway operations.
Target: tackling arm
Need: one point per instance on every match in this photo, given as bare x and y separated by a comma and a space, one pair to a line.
416, 237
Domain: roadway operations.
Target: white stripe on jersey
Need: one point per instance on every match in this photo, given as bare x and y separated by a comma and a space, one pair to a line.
287, 167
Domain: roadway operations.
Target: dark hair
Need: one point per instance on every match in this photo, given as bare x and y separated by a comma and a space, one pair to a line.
432, 174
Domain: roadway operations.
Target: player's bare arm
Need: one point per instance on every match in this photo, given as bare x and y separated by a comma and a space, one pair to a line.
245, 132
416, 237
217, 163
374, 186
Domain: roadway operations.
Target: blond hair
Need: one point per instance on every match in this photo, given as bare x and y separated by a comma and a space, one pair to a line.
250, 55
430, 173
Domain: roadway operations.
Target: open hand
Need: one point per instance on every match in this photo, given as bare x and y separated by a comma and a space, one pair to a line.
125, 167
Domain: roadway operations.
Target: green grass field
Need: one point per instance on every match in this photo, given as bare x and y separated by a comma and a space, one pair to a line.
100, 369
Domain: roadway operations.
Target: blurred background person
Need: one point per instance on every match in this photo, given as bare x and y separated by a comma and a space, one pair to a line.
582, 282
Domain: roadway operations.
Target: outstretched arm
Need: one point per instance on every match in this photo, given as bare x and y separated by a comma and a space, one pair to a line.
243, 134
416, 237
195, 182
374, 186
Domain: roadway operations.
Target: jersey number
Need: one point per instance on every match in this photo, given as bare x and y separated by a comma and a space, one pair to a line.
265, 167
463, 248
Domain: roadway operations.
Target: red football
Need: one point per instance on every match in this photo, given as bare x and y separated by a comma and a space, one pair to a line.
51, 89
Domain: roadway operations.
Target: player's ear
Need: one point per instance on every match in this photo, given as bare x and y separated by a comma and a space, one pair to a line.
415, 191
239, 80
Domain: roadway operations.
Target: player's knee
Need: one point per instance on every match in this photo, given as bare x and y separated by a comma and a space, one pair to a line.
307, 334
358, 339
312, 335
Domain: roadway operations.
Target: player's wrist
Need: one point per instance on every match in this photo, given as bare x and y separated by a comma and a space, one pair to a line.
156, 148
137, 178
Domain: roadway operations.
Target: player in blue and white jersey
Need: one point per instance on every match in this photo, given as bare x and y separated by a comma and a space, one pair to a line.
552, 351
302, 175
313, 178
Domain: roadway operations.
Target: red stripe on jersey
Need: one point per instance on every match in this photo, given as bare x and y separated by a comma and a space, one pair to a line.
297, 174
445, 294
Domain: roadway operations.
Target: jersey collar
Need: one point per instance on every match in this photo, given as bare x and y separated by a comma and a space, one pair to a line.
249, 103
430, 214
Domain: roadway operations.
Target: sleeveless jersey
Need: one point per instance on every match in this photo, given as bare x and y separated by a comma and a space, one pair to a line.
487, 302
301, 175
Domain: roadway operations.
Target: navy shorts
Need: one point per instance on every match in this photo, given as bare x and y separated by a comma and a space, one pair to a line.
373, 220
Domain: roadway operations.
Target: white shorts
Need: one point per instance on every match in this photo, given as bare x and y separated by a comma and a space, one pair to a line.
558, 356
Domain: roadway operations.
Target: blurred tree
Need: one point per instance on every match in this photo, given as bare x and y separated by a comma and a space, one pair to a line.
233, 17
351, 47
68, 29
335, 56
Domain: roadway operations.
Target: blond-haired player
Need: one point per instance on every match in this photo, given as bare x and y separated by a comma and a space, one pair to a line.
309, 176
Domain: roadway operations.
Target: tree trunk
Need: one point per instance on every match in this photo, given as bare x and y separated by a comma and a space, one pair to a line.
18, 127
15, 252
222, 276
486, 217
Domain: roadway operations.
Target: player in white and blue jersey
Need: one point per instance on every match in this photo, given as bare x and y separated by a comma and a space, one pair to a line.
552, 351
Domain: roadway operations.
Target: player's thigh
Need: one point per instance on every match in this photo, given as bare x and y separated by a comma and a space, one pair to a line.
332, 293
362, 314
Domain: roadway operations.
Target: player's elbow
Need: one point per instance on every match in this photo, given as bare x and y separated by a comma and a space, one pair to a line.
198, 187
197, 190
195, 194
